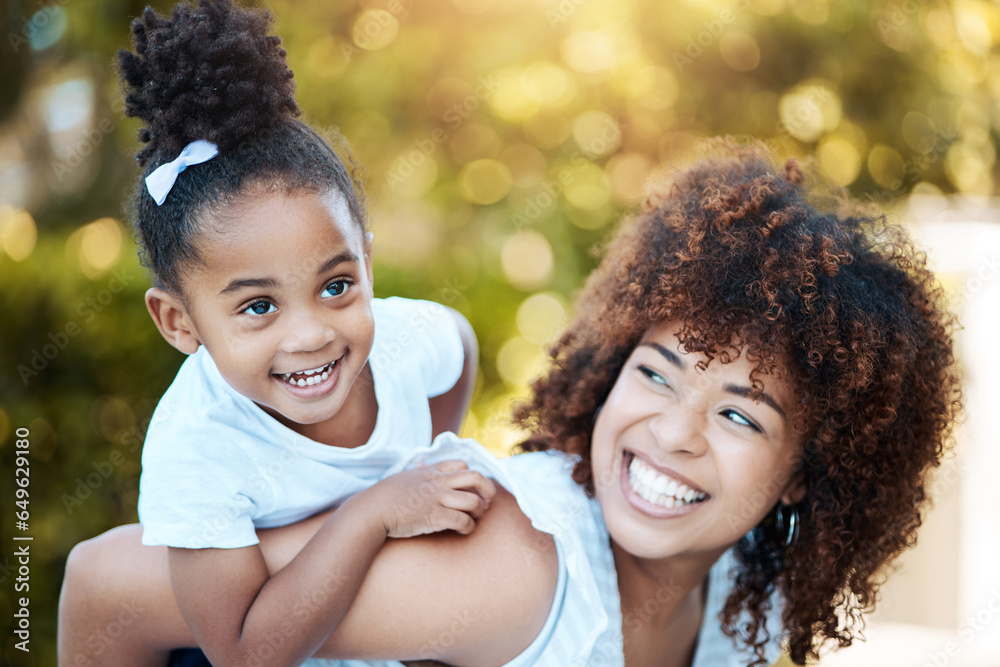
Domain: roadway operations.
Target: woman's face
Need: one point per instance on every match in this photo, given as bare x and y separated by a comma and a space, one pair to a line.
684, 461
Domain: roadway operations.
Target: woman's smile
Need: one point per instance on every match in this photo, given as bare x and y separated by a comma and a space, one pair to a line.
655, 491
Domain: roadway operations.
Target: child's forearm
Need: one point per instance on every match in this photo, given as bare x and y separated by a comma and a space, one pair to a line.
287, 618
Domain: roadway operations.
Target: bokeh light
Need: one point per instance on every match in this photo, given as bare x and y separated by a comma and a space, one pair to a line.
96, 247
527, 260
542, 317
486, 181
500, 144
18, 233
375, 29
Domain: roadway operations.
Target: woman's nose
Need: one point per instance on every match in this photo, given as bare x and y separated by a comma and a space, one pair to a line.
680, 430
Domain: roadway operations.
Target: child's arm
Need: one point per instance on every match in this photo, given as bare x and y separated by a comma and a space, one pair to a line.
240, 616
117, 609
448, 410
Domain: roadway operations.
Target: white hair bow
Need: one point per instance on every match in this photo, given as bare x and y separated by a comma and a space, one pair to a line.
163, 177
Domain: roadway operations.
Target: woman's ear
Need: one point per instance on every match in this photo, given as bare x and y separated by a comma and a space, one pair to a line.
795, 490
172, 319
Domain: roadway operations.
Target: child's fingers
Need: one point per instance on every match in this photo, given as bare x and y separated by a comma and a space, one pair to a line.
456, 520
470, 480
453, 465
464, 501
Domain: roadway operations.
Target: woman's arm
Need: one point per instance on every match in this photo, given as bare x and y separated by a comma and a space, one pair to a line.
235, 608
479, 599
475, 600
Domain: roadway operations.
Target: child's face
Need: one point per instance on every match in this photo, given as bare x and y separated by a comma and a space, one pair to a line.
282, 301
668, 430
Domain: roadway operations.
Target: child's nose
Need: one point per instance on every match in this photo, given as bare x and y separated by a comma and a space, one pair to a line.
306, 333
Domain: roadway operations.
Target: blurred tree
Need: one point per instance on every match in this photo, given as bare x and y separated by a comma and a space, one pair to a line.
501, 140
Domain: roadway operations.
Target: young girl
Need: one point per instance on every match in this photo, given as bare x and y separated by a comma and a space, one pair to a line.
732, 445
300, 390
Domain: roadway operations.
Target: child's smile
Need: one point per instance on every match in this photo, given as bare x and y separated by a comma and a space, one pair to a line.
281, 298
313, 382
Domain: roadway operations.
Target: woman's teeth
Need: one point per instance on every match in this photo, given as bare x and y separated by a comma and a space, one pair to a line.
659, 489
308, 378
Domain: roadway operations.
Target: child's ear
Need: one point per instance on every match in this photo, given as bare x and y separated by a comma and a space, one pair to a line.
172, 319
369, 246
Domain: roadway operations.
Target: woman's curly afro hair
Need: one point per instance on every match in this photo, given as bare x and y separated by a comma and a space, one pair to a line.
845, 307
213, 72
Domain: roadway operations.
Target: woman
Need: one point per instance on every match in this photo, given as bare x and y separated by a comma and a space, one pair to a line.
746, 376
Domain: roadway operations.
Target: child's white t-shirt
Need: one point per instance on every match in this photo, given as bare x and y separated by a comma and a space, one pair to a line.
215, 466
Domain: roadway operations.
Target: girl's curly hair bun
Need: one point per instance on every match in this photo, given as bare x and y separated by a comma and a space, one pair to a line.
208, 72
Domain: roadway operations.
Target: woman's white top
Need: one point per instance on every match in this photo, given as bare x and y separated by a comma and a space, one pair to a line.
584, 625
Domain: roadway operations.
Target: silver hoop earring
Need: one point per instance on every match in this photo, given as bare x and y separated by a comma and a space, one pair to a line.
793, 523
593, 419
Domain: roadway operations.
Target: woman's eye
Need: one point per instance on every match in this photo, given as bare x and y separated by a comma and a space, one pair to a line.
336, 288
260, 308
738, 418
653, 375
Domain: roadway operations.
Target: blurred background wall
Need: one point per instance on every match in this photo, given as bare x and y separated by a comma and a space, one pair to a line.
502, 142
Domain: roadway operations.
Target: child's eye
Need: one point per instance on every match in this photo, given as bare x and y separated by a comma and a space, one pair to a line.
336, 287
260, 308
738, 418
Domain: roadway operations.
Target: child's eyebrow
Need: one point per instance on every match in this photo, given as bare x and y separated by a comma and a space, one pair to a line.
340, 258
241, 283
248, 282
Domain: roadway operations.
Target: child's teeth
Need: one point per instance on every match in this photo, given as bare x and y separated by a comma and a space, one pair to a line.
313, 376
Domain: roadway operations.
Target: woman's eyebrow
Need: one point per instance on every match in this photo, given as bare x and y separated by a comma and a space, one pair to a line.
667, 354
747, 392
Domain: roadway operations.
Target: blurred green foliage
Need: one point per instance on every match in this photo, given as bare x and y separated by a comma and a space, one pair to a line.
502, 140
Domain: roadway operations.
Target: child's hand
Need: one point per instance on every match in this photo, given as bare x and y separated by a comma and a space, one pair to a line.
429, 499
